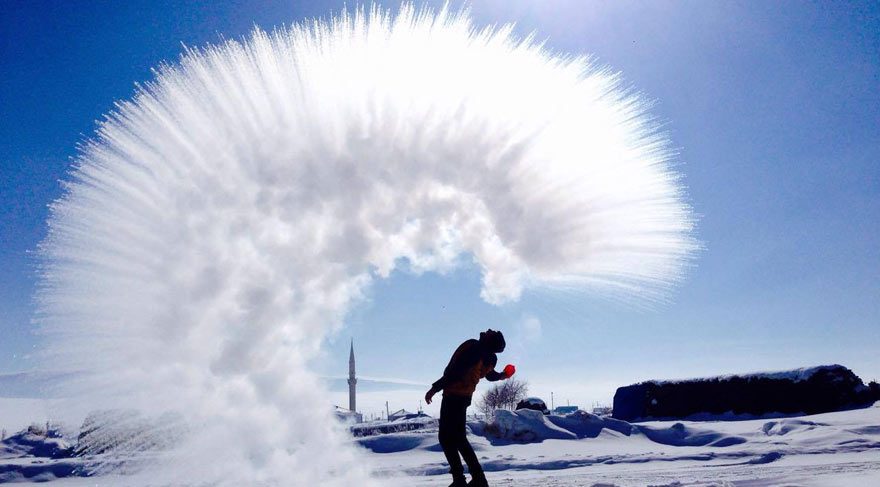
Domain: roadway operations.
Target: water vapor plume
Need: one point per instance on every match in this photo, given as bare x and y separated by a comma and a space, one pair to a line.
223, 221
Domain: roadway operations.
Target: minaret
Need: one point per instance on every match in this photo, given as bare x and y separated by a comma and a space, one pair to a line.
352, 381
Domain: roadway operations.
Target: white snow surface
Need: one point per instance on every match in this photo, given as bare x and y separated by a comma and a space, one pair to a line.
827, 449
581, 449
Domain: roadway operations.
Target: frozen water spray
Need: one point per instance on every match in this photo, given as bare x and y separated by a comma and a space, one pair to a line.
223, 221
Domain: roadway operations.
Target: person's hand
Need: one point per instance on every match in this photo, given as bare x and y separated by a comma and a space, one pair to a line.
430, 395
509, 370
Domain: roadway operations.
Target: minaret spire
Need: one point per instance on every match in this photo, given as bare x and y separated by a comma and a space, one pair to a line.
352, 381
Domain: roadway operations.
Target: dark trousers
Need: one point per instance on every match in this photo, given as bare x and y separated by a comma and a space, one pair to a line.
453, 436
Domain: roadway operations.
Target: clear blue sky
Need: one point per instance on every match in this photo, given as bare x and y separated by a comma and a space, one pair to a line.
775, 107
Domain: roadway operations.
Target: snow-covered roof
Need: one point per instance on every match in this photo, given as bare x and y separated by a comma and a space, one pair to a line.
794, 375
401, 412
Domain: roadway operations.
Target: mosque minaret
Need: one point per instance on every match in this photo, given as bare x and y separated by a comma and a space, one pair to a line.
352, 381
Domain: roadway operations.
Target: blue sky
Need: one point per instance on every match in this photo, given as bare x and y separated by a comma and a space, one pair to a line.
774, 107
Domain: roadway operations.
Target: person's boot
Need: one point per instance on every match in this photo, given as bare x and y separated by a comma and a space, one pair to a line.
458, 481
478, 480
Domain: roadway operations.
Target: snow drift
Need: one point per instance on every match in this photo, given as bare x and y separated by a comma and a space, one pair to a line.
224, 220
525, 425
829, 449
528, 426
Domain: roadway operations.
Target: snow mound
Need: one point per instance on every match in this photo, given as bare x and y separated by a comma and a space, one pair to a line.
33, 455
394, 443
397, 426
39, 472
525, 426
528, 426
28, 443
780, 428
680, 435
586, 425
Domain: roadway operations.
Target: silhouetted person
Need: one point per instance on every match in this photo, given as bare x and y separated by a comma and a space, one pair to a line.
472, 361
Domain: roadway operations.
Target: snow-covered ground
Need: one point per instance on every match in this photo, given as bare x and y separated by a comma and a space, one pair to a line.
820, 450
834, 449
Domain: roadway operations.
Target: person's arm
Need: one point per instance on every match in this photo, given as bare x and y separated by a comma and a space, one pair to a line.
507, 373
492, 375
440, 384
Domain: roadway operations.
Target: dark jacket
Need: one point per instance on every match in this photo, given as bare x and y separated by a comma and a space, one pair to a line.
472, 361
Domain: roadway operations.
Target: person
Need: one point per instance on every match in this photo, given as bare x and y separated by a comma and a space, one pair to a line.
472, 361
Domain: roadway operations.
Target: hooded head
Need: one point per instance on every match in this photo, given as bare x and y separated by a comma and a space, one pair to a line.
493, 340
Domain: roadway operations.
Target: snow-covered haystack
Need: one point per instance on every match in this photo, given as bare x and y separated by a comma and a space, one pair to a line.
801, 391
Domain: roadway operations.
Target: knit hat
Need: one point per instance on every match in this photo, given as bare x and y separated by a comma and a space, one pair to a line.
493, 340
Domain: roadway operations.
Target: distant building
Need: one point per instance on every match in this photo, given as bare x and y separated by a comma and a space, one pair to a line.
560, 410
603, 411
403, 414
347, 416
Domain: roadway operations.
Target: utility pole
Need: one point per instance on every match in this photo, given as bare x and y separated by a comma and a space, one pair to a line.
551, 401
387, 412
